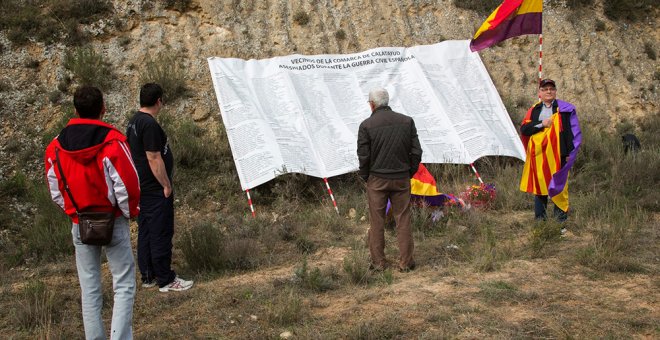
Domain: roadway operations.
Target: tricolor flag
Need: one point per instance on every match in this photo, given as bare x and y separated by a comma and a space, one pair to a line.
511, 19
543, 173
423, 187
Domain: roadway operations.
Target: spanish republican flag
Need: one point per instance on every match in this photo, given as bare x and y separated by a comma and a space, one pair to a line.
423, 187
543, 173
511, 19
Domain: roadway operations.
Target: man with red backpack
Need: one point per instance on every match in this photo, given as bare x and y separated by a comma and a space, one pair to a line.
89, 168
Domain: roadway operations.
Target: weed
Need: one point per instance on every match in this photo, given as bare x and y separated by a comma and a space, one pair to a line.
124, 41
301, 18
599, 26
340, 34
88, 67
286, 308
650, 51
356, 266
617, 61
388, 327
36, 307
167, 71
315, 279
542, 234
202, 246
305, 245
615, 239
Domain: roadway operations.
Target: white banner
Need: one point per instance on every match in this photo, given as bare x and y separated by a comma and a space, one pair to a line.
301, 113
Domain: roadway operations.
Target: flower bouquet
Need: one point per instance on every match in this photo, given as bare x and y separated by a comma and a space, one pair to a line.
480, 196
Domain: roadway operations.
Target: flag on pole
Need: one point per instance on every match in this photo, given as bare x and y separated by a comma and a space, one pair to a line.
511, 19
543, 173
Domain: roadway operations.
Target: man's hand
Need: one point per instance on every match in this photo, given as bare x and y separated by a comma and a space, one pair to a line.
546, 122
167, 191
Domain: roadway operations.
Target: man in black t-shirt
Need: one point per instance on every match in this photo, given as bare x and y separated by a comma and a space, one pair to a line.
154, 162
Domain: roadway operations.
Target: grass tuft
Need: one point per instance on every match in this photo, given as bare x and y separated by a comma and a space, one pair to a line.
89, 67
166, 70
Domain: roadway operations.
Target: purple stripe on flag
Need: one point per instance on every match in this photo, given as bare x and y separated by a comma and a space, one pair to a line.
560, 177
528, 23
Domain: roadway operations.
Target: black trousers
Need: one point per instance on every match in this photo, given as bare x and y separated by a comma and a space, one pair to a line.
155, 232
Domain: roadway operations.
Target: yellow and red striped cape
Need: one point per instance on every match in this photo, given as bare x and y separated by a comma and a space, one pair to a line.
543, 161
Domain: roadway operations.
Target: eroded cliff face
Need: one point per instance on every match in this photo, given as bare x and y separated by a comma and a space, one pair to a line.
599, 65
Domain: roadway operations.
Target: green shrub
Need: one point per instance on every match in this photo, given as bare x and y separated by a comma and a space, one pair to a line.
315, 279
542, 234
89, 67
356, 266
165, 69
15, 186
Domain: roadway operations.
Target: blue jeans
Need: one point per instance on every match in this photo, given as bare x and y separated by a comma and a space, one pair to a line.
122, 267
540, 204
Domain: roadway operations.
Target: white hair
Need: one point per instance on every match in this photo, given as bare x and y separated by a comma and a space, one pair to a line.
379, 97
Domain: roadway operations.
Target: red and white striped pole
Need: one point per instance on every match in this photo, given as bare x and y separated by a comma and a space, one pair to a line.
334, 203
247, 192
540, 58
476, 173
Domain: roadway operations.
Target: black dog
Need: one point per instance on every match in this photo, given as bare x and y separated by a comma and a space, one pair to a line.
630, 143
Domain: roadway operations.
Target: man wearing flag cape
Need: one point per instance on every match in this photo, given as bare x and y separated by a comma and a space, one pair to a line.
551, 136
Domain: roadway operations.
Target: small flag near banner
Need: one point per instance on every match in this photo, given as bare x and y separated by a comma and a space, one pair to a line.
423, 187
511, 19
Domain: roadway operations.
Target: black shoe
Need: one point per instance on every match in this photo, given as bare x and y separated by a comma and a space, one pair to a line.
408, 269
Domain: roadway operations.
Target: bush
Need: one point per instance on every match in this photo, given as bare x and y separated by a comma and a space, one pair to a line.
49, 235
286, 308
576, 4
629, 10
301, 18
650, 51
340, 34
315, 279
82, 11
356, 266
483, 7
165, 70
89, 67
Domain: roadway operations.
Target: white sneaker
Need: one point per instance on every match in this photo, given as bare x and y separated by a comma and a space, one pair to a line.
149, 284
177, 285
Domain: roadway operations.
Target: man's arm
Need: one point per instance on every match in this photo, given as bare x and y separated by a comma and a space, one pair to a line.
363, 152
415, 150
157, 166
126, 184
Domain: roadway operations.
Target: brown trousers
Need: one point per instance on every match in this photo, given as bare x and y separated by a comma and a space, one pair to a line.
398, 191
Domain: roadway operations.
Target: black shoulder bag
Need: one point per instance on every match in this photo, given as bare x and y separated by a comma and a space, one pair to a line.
95, 227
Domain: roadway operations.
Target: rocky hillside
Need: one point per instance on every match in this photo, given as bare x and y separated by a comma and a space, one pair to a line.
607, 68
